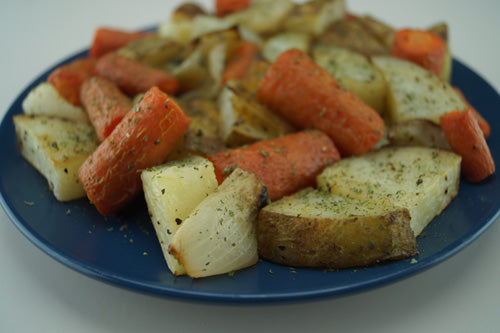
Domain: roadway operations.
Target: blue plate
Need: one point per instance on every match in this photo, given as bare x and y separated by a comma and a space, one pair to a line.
123, 250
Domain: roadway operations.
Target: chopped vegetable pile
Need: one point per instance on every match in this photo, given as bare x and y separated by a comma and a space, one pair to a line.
273, 112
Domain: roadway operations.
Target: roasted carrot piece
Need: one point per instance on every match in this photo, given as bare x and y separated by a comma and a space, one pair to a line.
240, 60
107, 40
134, 77
466, 138
483, 123
421, 47
104, 103
284, 165
309, 97
143, 138
68, 78
224, 7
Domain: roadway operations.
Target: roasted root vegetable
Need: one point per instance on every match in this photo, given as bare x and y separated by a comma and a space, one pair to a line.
309, 97
417, 132
284, 165
68, 78
261, 16
414, 92
240, 60
44, 99
104, 103
203, 135
284, 41
351, 32
172, 192
56, 147
219, 235
314, 17
423, 180
201, 70
153, 50
245, 121
317, 229
354, 72
144, 138
108, 40
134, 77
179, 27
467, 140
483, 123
224, 7
421, 47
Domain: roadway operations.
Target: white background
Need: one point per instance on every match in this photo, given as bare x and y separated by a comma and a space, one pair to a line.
38, 294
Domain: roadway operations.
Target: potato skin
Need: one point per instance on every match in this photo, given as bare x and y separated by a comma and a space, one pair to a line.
334, 243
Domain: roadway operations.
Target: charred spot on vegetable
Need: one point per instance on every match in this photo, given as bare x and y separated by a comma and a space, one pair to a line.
178, 221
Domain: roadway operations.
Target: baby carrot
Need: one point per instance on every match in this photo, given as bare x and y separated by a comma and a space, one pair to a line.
483, 123
284, 165
466, 138
68, 78
240, 60
134, 77
421, 47
309, 97
143, 138
105, 104
224, 7
108, 40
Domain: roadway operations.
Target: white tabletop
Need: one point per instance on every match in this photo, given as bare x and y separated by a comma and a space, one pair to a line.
39, 294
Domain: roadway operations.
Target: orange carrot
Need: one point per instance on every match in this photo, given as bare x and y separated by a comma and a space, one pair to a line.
134, 77
466, 138
224, 7
108, 40
421, 47
68, 78
309, 97
483, 124
143, 138
104, 103
240, 60
284, 165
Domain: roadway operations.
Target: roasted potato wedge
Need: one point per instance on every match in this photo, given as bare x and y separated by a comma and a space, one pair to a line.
351, 34
219, 235
246, 121
262, 16
204, 135
383, 32
414, 92
249, 83
44, 99
423, 180
318, 229
417, 132
179, 27
153, 50
313, 17
354, 72
281, 42
56, 147
172, 191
